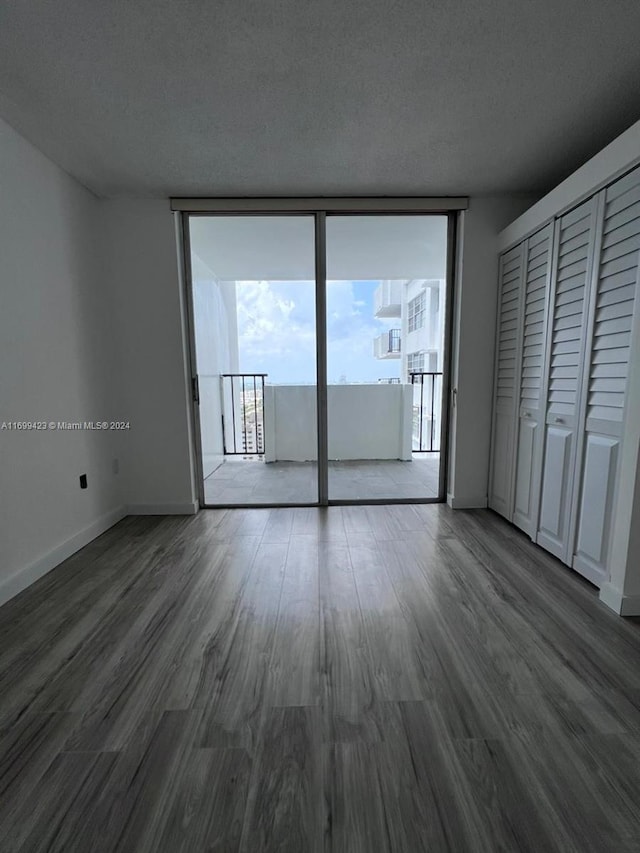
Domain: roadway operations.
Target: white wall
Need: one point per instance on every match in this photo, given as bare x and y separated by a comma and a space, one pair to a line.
364, 422
290, 424
369, 421
142, 273
216, 339
57, 362
474, 344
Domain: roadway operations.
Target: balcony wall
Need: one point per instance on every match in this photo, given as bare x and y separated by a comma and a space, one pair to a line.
384, 346
387, 298
365, 422
211, 440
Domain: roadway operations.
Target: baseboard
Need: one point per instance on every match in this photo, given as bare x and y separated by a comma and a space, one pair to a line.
190, 508
23, 578
478, 502
624, 605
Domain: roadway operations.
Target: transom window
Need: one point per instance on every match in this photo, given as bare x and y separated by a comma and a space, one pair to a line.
417, 310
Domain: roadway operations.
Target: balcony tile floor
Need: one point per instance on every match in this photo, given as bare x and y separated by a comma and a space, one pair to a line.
250, 481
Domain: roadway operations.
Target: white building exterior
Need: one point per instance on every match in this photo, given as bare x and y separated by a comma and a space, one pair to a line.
417, 342
418, 339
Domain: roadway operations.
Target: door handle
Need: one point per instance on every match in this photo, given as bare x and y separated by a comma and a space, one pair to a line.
559, 420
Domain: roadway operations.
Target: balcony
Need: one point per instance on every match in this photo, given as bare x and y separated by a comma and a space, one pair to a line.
387, 298
268, 449
387, 345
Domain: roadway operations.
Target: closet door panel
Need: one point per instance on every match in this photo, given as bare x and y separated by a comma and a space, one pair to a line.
525, 473
538, 252
607, 366
503, 453
554, 505
508, 357
566, 342
598, 483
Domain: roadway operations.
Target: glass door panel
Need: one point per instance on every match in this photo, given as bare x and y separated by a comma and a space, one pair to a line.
386, 295
253, 310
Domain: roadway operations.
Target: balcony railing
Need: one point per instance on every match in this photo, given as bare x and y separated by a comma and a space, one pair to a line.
243, 409
243, 413
427, 396
387, 345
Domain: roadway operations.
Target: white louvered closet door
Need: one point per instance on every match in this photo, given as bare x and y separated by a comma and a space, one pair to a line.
566, 339
537, 257
508, 344
607, 368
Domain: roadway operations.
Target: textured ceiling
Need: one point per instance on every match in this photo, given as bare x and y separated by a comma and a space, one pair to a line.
324, 97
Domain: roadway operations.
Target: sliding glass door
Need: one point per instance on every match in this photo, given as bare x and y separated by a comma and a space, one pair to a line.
318, 356
386, 307
254, 328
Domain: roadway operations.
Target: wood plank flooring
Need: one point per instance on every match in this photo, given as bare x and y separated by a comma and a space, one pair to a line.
401, 678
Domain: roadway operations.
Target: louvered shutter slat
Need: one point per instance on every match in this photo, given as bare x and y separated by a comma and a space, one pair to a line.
625, 263
609, 356
538, 253
568, 317
615, 301
575, 268
627, 229
614, 369
508, 318
621, 248
620, 294
614, 310
572, 296
621, 198
620, 340
622, 218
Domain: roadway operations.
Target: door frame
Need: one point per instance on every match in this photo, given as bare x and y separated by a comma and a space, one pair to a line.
319, 208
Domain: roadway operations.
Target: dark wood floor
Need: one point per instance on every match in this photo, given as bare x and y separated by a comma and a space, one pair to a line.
358, 679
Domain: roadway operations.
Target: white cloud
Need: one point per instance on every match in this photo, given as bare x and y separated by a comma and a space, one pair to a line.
276, 329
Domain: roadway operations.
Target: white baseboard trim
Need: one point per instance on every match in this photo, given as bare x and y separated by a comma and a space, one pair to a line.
624, 605
23, 578
478, 502
190, 508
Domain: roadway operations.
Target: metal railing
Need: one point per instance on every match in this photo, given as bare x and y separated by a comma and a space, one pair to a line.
243, 413
394, 340
425, 437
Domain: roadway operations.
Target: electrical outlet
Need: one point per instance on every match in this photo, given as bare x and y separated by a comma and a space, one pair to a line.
115, 466
83, 481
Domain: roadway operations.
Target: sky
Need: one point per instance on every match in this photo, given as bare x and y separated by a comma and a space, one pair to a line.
277, 334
